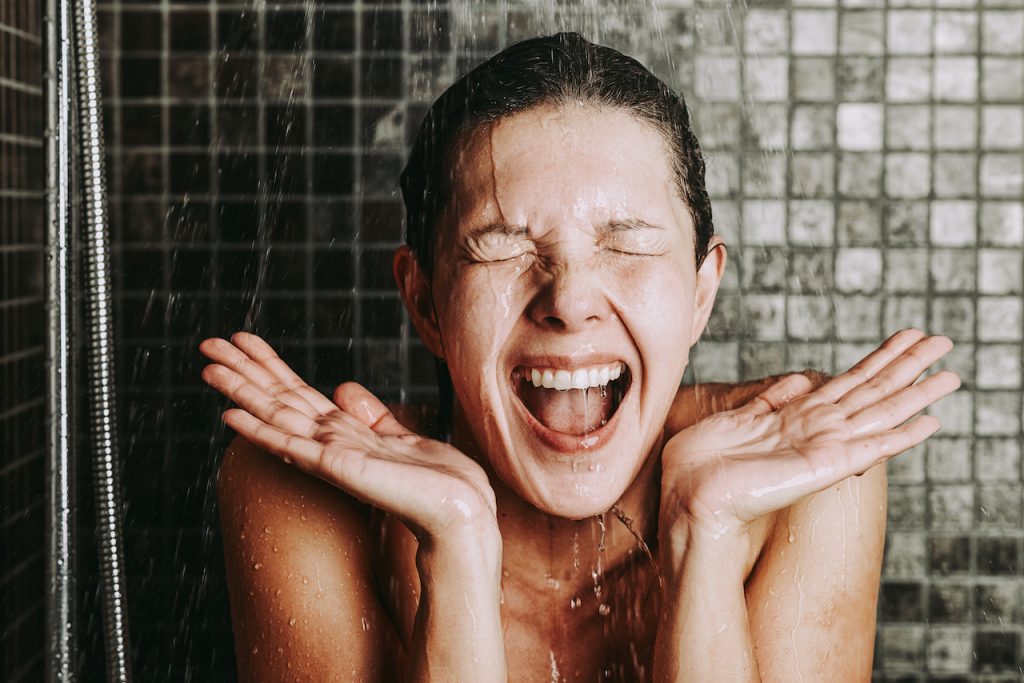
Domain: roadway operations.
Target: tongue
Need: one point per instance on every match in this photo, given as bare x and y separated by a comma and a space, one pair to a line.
576, 411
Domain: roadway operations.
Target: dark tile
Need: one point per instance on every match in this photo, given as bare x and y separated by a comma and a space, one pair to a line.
333, 269
375, 267
285, 30
285, 125
901, 601
191, 269
333, 78
333, 125
333, 174
239, 270
237, 30
382, 317
996, 651
380, 173
286, 174
189, 222
332, 317
140, 77
334, 31
190, 173
189, 124
285, 270
237, 77
141, 31
141, 125
998, 556
190, 31
238, 221
382, 221
188, 77
382, 77
332, 366
949, 603
238, 125
333, 221
382, 30
949, 554
142, 270
238, 173
286, 221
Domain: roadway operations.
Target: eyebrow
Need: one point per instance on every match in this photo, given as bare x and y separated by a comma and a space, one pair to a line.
631, 224
524, 231
499, 229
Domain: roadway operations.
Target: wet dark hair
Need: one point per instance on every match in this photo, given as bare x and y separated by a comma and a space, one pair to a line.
547, 70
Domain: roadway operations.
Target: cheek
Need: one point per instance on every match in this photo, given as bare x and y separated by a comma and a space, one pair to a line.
475, 302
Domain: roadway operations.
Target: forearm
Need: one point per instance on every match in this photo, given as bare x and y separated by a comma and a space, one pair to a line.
704, 630
458, 634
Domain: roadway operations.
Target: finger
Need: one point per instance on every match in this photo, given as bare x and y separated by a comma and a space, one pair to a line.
778, 394
899, 374
381, 482
294, 449
262, 352
865, 453
899, 407
356, 400
225, 353
258, 402
870, 365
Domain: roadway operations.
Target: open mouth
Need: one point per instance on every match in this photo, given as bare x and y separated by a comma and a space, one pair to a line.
576, 402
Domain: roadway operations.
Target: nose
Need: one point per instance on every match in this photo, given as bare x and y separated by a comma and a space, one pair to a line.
570, 298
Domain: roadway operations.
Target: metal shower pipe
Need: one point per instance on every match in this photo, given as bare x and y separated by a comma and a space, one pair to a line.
99, 344
60, 521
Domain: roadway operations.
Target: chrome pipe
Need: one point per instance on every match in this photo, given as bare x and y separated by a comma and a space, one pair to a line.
100, 345
60, 471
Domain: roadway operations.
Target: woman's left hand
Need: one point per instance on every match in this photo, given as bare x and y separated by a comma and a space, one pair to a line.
728, 470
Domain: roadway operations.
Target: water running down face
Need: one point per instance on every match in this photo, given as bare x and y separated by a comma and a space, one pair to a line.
565, 259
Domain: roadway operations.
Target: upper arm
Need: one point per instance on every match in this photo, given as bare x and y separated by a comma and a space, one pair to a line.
300, 581
812, 596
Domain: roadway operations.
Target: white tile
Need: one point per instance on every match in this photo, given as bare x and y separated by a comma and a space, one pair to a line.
953, 223
859, 126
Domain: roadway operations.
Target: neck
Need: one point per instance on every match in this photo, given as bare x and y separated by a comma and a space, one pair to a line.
564, 556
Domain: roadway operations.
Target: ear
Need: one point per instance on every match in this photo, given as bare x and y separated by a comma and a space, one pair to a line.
419, 301
709, 276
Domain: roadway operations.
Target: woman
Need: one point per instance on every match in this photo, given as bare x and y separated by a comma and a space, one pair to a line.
576, 524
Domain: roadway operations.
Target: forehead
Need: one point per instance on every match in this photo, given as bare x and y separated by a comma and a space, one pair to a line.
566, 162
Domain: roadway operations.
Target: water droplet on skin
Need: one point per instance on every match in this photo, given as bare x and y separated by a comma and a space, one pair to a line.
574, 603
792, 536
305, 580
604, 610
291, 622
255, 650
303, 517
275, 548
366, 624
277, 592
258, 565
319, 594
266, 529
505, 572
553, 583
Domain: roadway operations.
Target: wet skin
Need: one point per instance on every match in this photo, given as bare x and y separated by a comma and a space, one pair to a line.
481, 545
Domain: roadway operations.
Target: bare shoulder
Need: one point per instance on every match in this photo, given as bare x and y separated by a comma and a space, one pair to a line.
299, 561
816, 583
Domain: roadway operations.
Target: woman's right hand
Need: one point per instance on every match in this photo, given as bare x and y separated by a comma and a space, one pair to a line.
354, 443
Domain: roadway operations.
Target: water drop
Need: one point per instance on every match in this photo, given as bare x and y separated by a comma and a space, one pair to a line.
258, 565
303, 517
255, 650
366, 624
305, 580
792, 536
291, 622
266, 529
604, 610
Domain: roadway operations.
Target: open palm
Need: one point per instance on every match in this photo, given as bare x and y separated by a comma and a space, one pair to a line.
353, 442
791, 441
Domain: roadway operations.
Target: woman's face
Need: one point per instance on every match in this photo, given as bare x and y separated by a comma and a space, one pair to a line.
566, 251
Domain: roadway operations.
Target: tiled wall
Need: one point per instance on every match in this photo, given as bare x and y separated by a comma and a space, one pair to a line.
865, 160
22, 341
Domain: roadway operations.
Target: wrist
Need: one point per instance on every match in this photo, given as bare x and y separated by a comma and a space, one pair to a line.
469, 552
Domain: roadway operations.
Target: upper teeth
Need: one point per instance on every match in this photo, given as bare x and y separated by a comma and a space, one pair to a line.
581, 378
